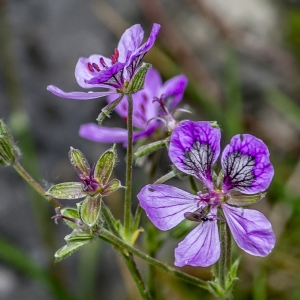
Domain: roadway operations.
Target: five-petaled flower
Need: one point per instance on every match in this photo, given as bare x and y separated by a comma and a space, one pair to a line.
115, 72
150, 105
246, 173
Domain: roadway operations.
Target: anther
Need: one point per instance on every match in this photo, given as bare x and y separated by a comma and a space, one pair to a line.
90, 67
96, 67
102, 62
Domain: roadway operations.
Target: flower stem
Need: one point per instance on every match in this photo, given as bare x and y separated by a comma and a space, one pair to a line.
224, 262
35, 185
122, 245
165, 177
128, 258
127, 205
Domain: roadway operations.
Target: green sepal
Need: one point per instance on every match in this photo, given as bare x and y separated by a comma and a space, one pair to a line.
68, 249
78, 236
138, 81
108, 109
9, 152
111, 187
105, 165
67, 190
89, 210
70, 213
79, 162
238, 199
147, 149
225, 293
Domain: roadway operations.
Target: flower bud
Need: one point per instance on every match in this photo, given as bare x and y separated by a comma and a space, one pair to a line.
9, 152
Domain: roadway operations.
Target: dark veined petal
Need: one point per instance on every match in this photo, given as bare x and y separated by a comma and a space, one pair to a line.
194, 148
165, 205
78, 95
246, 165
250, 229
173, 90
201, 247
102, 134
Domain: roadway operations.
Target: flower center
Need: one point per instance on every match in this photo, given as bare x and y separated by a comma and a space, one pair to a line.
92, 67
214, 197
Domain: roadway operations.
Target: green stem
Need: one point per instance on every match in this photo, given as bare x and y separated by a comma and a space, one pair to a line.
137, 217
35, 185
131, 265
128, 258
224, 262
127, 205
122, 245
165, 177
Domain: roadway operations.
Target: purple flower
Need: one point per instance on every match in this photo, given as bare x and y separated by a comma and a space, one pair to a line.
145, 110
246, 173
115, 72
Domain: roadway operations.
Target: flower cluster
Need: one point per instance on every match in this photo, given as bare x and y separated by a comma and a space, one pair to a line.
151, 109
246, 173
193, 147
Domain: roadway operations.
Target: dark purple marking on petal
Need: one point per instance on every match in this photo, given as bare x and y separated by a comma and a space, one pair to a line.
246, 165
201, 247
250, 229
194, 148
165, 205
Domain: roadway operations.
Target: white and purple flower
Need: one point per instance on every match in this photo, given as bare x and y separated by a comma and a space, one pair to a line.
150, 104
246, 173
115, 72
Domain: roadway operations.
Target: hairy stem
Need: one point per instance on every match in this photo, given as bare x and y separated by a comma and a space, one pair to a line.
127, 205
123, 246
35, 185
224, 262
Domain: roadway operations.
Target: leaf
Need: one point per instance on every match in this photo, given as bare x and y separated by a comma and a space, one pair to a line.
105, 165
138, 81
89, 210
79, 162
67, 190
68, 249
111, 187
238, 199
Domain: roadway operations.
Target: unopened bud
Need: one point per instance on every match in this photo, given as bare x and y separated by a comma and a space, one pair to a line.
9, 152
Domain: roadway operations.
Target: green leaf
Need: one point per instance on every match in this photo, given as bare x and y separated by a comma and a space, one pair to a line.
138, 81
67, 190
231, 277
79, 162
68, 249
147, 149
70, 213
105, 165
238, 199
111, 187
78, 236
108, 109
89, 210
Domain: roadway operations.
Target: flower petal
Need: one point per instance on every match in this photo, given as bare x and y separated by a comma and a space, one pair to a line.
173, 90
246, 165
194, 148
78, 95
130, 40
165, 205
201, 247
138, 55
250, 229
102, 134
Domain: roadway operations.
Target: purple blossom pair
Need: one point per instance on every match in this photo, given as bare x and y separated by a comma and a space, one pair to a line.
246, 173
150, 105
113, 73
